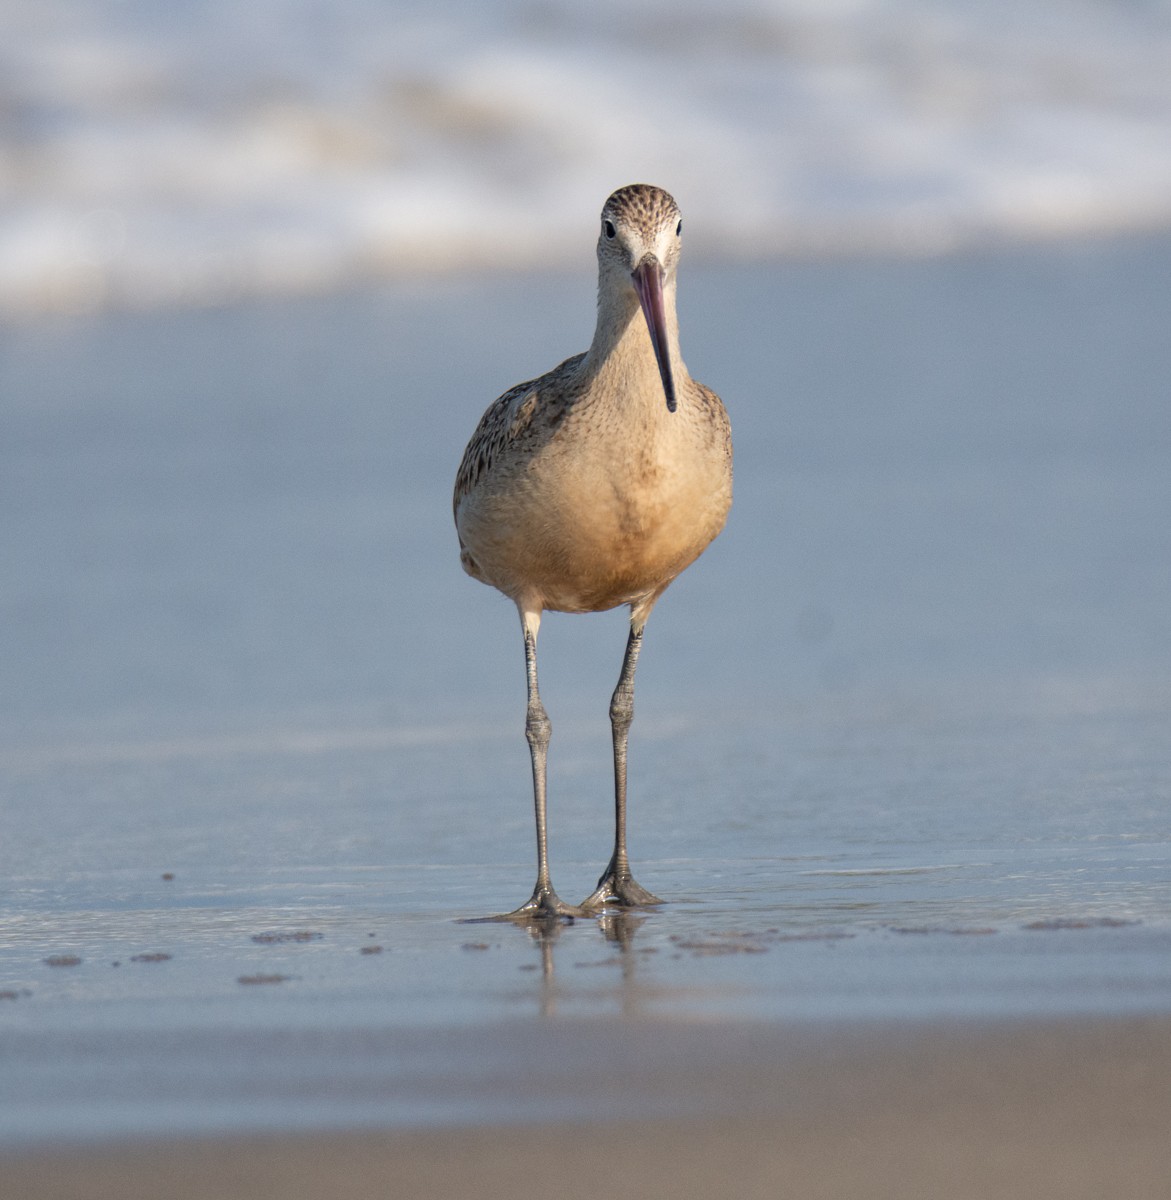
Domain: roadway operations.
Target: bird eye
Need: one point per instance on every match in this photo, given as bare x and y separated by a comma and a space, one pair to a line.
679, 228
608, 226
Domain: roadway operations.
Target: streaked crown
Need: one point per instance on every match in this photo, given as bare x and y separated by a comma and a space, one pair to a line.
642, 206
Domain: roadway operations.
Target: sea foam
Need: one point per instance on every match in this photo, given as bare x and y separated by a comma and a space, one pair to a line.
153, 153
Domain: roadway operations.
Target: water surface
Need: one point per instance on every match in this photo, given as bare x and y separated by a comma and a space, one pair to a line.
901, 744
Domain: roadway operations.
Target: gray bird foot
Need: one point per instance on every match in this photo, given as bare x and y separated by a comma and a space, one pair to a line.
543, 905
619, 890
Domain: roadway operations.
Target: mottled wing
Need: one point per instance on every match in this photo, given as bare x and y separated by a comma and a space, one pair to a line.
717, 418
486, 443
505, 423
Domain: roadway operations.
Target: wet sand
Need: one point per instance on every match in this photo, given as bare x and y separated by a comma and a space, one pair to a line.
1061, 1110
900, 763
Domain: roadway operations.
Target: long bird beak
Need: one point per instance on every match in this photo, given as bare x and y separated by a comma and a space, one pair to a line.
648, 283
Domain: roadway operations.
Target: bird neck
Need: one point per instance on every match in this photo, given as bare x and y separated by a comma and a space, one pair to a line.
622, 351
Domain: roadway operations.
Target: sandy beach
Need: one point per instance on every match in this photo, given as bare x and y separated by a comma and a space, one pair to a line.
1064, 1110
899, 765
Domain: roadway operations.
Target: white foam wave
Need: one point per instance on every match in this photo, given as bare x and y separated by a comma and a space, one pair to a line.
158, 153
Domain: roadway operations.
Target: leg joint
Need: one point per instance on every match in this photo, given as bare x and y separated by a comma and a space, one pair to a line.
622, 707
538, 727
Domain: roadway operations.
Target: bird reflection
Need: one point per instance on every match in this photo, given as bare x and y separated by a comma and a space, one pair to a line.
618, 928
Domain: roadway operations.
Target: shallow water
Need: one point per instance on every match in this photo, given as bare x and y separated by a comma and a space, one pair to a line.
901, 742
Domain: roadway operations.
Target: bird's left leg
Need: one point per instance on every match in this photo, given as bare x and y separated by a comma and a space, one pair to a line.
617, 887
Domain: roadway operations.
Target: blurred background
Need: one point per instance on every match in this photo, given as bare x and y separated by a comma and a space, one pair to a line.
262, 267
154, 152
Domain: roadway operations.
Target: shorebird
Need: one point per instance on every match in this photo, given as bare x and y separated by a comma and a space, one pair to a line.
594, 486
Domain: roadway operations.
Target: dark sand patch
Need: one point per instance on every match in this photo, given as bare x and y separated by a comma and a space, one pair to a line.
277, 938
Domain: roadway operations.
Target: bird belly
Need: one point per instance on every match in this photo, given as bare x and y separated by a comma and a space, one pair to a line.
581, 541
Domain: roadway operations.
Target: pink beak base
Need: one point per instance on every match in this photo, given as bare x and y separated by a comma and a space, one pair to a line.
648, 283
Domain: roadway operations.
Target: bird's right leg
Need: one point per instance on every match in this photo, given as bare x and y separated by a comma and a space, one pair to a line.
544, 903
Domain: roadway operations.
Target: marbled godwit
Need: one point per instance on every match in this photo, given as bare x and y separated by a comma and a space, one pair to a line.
595, 485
